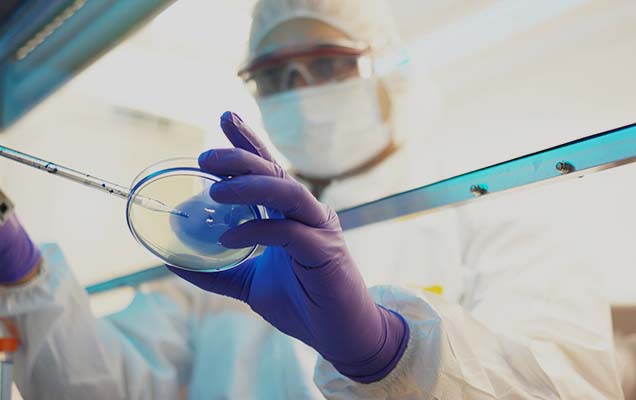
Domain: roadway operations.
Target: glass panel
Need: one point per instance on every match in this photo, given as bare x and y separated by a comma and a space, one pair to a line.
479, 93
475, 84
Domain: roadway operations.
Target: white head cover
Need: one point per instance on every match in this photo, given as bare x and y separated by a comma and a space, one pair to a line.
367, 21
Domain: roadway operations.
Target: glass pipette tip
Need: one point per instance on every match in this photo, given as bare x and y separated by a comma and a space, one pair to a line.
156, 205
87, 180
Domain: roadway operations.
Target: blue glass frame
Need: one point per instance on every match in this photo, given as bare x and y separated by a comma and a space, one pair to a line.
574, 159
86, 33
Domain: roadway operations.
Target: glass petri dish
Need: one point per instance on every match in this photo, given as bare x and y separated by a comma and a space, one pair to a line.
189, 241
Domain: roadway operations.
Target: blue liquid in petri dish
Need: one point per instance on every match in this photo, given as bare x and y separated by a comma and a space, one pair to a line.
204, 225
192, 242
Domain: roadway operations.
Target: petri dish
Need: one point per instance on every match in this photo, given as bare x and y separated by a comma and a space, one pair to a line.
189, 241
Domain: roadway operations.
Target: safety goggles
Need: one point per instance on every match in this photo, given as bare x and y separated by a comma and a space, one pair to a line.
291, 68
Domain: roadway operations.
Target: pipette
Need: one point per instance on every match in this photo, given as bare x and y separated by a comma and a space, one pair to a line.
87, 180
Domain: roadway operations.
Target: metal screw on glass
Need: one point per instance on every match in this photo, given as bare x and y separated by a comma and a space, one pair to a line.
564, 167
478, 190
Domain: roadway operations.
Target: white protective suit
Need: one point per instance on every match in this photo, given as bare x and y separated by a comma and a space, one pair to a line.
517, 320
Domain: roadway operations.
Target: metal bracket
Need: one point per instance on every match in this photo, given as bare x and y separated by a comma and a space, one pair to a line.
590, 154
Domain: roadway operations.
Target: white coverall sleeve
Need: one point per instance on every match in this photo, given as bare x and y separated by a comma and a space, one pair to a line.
67, 353
532, 327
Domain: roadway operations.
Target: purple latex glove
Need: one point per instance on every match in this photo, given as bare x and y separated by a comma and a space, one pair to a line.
18, 255
305, 283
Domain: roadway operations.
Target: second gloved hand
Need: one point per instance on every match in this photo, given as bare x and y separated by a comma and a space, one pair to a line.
18, 255
305, 283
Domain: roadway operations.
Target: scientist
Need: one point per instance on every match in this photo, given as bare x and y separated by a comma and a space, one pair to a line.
516, 319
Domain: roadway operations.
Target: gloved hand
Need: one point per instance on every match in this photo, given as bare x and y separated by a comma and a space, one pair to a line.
305, 283
18, 255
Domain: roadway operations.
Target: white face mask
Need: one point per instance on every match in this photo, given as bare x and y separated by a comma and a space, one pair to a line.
327, 130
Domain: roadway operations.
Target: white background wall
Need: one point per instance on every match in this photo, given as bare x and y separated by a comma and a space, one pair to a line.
513, 77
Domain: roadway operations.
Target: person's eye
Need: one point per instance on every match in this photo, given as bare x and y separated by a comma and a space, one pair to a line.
323, 68
267, 80
268, 76
272, 75
345, 65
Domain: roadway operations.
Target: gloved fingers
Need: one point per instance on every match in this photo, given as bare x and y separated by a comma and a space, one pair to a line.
274, 232
19, 256
284, 195
236, 161
233, 282
242, 136
309, 246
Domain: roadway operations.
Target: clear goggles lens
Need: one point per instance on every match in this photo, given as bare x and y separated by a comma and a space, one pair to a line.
266, 77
